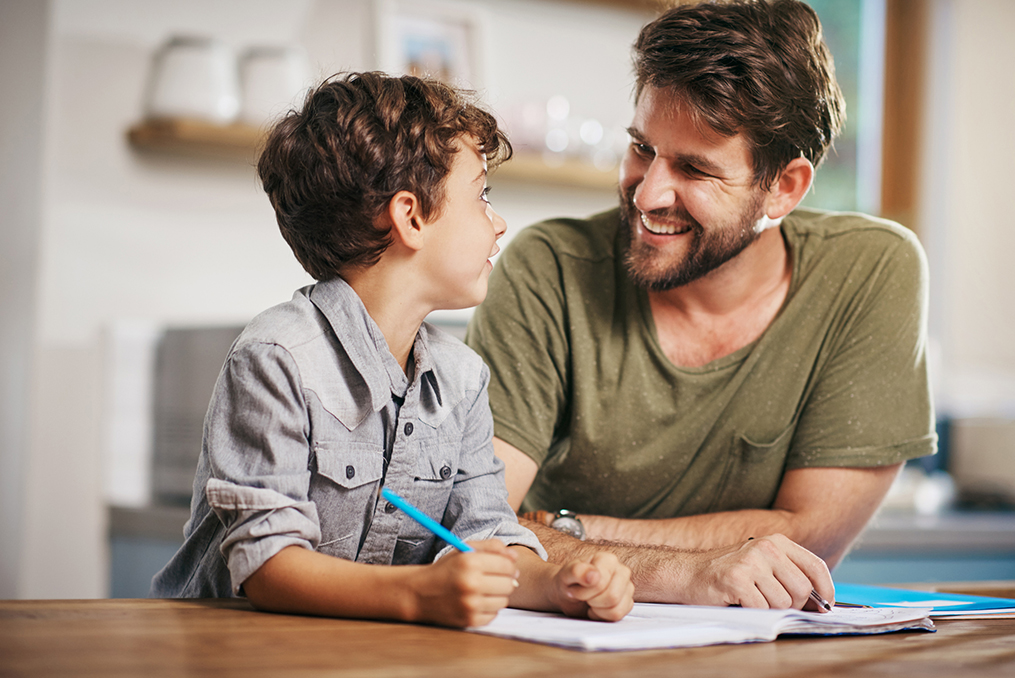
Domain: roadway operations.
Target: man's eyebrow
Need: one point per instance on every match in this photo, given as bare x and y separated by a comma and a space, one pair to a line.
704, 164
480, 176
635, 134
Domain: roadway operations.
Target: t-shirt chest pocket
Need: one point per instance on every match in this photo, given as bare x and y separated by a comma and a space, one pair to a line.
753, 471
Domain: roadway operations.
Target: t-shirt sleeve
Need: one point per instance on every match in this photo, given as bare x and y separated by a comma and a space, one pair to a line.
871, 404
520, 331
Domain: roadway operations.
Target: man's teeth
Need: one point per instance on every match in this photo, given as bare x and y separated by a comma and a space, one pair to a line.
662, 229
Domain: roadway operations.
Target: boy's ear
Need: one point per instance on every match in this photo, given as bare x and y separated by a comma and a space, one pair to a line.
406, 223
789, 188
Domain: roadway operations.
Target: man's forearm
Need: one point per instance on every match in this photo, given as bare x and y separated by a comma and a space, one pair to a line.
821, 509
660, 574
729, 575
706, 531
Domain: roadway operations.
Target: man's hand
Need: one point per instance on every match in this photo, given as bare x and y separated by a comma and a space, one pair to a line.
771, 572
466, 589
598, 587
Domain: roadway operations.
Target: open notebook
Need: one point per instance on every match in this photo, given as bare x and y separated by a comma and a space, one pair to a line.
656, 626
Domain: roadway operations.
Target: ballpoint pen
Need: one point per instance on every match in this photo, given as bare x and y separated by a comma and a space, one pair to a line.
819, 601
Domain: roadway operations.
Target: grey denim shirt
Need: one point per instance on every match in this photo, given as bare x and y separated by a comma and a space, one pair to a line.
311, 416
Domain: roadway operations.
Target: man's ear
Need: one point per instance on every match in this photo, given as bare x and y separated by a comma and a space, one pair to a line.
406, 223
789, 188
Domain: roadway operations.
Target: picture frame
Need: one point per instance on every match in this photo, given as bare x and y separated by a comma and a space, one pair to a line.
438, 39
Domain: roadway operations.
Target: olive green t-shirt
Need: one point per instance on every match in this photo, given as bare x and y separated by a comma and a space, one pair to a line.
579, 381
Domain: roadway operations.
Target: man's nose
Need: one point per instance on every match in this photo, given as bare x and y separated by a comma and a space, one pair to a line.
657, 189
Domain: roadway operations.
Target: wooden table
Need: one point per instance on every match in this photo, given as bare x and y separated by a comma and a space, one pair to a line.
149, 638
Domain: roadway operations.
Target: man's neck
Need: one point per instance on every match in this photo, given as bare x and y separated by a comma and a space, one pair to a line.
727, 309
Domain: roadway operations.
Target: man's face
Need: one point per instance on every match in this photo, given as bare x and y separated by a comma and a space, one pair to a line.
688, 195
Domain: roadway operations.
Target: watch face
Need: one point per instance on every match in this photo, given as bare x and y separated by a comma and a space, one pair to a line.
569, 526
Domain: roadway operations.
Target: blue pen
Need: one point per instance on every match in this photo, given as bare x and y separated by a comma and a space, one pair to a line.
425, 520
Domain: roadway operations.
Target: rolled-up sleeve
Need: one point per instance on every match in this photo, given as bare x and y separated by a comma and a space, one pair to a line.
257, 444
478, 507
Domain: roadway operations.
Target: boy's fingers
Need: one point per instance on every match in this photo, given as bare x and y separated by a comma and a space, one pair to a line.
579, 580
617, 593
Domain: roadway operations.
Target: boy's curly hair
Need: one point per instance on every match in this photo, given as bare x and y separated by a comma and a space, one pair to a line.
331, 168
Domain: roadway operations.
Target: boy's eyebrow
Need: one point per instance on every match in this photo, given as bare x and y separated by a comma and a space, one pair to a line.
480, 176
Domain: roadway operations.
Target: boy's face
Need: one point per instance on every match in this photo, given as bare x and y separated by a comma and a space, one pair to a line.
464, 237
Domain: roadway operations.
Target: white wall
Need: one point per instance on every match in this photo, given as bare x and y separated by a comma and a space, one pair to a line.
23, 37
966, 208
164, 239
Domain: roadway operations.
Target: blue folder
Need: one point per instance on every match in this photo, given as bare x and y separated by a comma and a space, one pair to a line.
941, 604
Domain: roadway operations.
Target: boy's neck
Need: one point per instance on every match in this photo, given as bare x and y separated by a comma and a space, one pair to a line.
391, 305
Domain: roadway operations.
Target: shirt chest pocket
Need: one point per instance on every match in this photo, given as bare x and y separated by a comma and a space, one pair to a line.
344, 487
350, 465
434, 465
434, 473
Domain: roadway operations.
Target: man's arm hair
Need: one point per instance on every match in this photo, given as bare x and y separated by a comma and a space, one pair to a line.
766, 572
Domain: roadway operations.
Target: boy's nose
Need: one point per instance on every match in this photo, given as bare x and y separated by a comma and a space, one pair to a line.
499, 225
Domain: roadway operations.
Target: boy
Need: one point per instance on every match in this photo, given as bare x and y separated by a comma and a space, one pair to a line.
379, 187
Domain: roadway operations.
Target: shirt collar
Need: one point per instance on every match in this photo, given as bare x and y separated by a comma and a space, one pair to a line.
368, 350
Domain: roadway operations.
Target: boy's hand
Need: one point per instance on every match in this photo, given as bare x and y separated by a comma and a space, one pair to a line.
466, 589
598, 587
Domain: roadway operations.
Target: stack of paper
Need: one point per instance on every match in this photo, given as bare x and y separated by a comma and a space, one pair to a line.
654, 626
952, 605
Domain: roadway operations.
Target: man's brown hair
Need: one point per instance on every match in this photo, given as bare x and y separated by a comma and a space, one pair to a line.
754, 67
331, 168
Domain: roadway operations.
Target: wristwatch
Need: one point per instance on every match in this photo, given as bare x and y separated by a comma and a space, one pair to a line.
567, 522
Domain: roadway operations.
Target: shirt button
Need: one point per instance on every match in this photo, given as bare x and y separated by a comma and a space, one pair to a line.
350, 471
445, 472
408, 429
390, 508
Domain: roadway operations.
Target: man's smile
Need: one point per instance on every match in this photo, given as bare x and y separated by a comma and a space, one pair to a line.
661, 228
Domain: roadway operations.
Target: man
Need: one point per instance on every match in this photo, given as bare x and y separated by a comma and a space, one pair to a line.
707, 363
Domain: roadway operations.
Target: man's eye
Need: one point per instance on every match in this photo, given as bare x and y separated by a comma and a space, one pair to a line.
485, 195
643, 150
693, 171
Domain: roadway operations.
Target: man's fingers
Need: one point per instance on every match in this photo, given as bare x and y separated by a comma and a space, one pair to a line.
812, 567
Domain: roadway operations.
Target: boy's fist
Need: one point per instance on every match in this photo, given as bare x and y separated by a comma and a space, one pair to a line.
598, 588
468, 589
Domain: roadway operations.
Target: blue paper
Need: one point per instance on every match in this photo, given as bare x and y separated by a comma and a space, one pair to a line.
940, 603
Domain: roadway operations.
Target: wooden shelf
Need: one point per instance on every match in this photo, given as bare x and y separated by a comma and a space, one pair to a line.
530, 167
197, 137
242, 142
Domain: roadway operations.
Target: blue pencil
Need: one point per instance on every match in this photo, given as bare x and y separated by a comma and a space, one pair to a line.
425, 520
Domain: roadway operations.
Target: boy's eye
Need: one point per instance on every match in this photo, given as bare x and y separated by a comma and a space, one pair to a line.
485, 195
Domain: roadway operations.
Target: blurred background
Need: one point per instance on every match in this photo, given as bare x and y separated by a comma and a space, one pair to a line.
135, 240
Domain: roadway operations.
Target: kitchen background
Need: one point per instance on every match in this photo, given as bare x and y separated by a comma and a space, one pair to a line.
116, 248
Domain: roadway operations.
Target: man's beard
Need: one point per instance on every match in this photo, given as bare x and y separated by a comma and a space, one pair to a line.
707, 250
